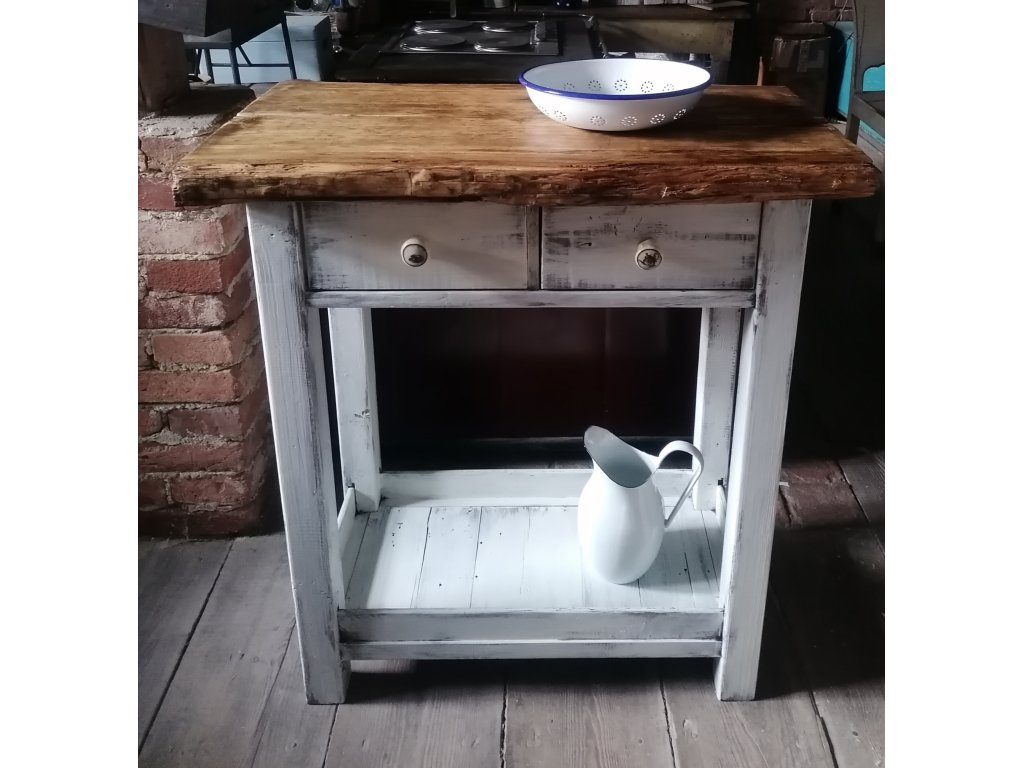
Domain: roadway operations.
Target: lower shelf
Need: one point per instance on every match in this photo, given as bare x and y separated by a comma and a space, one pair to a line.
507, 582
537, 649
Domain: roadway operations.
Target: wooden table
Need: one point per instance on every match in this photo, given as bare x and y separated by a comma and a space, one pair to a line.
376, 195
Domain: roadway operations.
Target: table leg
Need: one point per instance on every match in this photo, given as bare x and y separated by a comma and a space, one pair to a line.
762, 396
298, 406
716, 394
355, 392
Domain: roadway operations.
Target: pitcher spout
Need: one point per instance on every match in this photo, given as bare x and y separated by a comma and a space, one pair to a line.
621, 463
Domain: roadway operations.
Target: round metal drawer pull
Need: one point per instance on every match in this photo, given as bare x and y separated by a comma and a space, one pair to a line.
414, 253
647, 256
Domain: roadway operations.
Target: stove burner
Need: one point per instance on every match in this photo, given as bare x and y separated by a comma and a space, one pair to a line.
501, 44
440, 25
433, 41
511, 25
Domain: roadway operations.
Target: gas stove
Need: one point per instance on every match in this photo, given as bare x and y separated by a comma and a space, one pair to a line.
497, 37
471, 50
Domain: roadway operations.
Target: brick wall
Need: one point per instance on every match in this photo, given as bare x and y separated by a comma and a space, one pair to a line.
805, 10
204, 435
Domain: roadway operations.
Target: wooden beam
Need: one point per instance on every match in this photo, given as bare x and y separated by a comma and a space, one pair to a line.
519, 298
762, 396
298, 409
163, 68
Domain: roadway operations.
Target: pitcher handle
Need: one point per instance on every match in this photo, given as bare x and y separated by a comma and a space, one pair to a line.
698, 460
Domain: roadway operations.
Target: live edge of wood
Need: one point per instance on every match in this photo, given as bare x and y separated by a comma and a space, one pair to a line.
306, 140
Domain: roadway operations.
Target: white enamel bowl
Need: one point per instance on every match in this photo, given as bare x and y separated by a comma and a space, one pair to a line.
615, 94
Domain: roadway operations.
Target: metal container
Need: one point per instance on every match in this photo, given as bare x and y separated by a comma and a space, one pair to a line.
203, 17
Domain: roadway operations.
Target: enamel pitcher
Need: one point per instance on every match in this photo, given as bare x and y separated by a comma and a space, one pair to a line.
621, 514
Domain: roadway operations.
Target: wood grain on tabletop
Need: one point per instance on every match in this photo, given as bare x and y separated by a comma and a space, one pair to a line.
306, 140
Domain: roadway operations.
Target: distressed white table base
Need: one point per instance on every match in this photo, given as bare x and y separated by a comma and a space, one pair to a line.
485, 564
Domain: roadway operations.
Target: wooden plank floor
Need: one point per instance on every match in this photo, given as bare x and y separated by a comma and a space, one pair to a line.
220, 679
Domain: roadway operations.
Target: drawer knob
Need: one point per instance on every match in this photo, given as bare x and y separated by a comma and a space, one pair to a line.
414, 253
647, 256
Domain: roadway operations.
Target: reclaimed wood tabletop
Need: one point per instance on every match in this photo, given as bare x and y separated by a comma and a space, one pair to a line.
306, 140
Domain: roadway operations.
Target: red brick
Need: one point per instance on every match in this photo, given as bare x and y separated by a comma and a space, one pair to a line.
190, 457
196, 230
216, 488
162, 153
228, 421
222, 347
177, 522
790, 10
150, 421
170, 522
228, 521
201, 455
144, 360
190, 522
184, 521
829, 17
188, 386
235, 488
207, 311
197, 276
155, 192
228, 385
152, 492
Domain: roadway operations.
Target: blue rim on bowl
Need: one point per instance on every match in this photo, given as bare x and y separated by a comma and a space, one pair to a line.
613, 96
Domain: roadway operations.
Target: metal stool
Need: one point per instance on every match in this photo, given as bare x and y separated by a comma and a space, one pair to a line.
233, 38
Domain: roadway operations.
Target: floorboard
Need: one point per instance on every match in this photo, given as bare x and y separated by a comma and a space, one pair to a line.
235, 696
779, 730
435, 714
817, 495
175, 580
865, 472
214, 707
292, 733
830, 586
576, 713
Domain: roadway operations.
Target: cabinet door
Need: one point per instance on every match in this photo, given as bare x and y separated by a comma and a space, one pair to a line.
684, 246
359, 246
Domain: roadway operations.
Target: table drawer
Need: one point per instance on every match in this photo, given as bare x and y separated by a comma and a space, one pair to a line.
703, 247
365, 246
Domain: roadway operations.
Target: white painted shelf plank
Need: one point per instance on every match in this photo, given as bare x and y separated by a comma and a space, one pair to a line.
388, 566
713, 529
470, 559
668, 584
449, 558
552, 562
351, 543
703, 579
597, 591
498, 578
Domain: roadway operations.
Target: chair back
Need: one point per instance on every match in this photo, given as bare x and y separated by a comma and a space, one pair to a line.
869, 45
